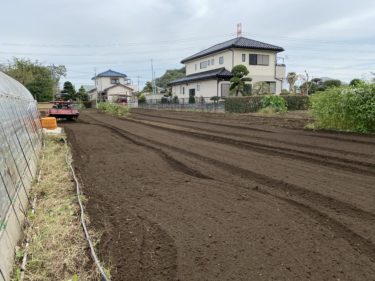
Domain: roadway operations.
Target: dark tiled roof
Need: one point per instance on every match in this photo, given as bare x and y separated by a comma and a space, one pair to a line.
110, 73
220, 73
239, 42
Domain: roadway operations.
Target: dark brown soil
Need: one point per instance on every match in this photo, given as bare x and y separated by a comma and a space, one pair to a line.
191, 196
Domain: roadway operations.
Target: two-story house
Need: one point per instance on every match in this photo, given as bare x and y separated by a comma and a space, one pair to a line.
110, 86
208, 72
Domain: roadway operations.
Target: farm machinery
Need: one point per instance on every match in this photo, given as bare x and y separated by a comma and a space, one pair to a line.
63, 109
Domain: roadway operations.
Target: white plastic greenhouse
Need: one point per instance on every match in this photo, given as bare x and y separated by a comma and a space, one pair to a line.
20, 143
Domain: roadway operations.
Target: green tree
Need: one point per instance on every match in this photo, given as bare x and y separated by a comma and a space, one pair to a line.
332, 83
69, 90
82, 95
357, 82
168, 76
41, 88
237, 82
310, 87
373, 77
142, 99
147, 88
40, 80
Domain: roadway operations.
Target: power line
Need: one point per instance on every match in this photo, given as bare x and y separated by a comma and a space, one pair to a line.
136, 44
184, 40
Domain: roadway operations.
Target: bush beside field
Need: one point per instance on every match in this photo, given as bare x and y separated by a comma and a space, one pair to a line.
254, 103
345, 108
113, 108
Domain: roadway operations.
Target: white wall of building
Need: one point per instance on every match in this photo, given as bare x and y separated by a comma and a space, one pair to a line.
102, 83
258, 73
205, 89
194, 65
114, 93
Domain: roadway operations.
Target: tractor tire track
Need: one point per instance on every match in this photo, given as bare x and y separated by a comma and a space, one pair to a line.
326, 160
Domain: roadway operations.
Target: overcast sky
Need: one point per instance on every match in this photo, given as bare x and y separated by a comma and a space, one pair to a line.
325, 37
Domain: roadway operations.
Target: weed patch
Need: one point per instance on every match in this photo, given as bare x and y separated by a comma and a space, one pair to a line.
58, 249
345, 109
113, 109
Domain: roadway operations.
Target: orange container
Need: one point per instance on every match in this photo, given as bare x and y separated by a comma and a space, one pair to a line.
49, 123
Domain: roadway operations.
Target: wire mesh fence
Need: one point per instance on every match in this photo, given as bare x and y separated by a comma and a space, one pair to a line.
20, 143
184, 104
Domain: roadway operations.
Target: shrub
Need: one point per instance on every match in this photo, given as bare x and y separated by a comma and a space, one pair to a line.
142, 99
275, 103
357, 82
215, 99
191, 99
175, 100
87, 104
268, 110
253, 103
345, 108
164, 99
299, 102
113, 108
243, 104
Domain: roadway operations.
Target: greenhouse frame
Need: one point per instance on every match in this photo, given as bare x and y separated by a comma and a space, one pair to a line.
20, 144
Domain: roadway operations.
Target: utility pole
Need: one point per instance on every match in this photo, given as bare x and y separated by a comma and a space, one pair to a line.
96, 96
307, 83
138, 82
153, 78
54, 81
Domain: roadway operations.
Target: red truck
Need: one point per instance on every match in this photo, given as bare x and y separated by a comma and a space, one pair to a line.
63, 109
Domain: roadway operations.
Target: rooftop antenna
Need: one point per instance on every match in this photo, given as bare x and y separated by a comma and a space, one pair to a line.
239, 29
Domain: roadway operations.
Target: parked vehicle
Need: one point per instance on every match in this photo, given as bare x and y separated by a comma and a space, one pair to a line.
63, 109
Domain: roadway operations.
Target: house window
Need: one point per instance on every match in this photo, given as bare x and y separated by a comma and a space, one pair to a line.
221, 60
255, 59
243, 57
263, 59
195, 66
183, 90
198, 87
203, 64
272, 87
212, 61
115, 81
208, 62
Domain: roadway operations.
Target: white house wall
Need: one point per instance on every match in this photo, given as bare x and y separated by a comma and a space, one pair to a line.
207, 89
102, 83
256, 70
227, 55
116, 92
258, 73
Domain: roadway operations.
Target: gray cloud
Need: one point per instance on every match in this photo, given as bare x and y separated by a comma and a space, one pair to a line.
327, 38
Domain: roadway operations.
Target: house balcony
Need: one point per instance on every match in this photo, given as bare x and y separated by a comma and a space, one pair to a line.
280, 72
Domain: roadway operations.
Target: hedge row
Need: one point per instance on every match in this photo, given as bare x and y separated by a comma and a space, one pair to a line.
254, 103
297, 102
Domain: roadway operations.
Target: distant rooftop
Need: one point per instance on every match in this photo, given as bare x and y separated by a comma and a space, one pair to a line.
88, 88
110, 73
239, 42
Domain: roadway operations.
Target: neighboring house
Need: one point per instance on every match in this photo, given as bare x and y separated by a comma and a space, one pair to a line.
112, 86
88, 88
208, 72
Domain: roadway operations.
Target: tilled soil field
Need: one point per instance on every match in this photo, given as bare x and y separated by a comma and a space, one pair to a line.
191, 196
